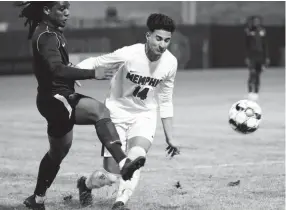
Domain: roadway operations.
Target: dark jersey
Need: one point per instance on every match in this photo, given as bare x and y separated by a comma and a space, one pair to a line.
51, 63
256, 46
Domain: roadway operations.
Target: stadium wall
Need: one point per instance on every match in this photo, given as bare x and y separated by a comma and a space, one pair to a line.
196, 47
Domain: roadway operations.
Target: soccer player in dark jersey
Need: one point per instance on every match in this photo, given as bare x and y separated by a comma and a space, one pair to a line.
57, 100
256, 54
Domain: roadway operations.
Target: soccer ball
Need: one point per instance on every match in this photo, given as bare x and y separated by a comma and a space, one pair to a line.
245, 116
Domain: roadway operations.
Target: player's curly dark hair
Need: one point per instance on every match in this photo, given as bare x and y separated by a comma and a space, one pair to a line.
33, 12
159, 21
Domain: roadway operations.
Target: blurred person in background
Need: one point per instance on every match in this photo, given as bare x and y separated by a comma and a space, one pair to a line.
256, 54
57, 100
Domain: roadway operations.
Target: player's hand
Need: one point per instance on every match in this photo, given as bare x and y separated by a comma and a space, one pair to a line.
172, 149
267, 62
104, 74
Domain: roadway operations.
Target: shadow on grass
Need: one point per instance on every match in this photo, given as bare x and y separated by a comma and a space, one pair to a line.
73, 204
10, 207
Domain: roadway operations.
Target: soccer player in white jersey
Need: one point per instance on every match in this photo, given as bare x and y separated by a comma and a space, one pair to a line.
144, 79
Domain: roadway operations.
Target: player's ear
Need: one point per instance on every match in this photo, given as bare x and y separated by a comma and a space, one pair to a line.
46, 10
148, 34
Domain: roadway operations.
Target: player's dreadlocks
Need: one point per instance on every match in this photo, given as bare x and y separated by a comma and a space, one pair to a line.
160, 21
33, 12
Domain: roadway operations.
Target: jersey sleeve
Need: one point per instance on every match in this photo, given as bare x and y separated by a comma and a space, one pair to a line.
48, 47
107, 61
165, 94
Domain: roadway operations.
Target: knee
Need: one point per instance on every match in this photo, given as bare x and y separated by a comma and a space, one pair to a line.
105, 113
57, 154
98, 113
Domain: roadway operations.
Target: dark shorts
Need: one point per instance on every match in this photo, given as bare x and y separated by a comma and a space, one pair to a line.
59, 111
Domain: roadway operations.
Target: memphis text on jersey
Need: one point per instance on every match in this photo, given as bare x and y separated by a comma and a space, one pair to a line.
141, 80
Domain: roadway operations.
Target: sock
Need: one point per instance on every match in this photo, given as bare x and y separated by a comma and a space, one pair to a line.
135, 152
121, 163
109, 137
40, 199
100, 179
126, 188
46, 175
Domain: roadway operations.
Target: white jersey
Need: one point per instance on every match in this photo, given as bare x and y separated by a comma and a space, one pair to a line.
138, 84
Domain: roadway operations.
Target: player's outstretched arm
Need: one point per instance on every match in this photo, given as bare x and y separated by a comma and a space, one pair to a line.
94, 63
105, 65
172, 148
166, 110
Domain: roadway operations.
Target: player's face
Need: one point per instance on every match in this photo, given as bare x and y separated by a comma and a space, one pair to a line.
256, 22
158, 41
59, 13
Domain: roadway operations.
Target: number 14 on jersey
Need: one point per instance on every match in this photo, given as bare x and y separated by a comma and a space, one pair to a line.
141, 92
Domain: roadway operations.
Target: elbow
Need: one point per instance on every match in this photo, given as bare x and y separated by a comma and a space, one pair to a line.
57, 69
166, 110
89, 63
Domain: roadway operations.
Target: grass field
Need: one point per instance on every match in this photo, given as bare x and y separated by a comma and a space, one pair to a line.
212, 153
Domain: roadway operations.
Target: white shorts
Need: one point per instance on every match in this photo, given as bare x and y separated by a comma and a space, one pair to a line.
141, 126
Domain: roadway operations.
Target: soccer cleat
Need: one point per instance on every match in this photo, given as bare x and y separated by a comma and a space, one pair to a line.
31, 203
131, 166
99, 179
119, 205
85, 196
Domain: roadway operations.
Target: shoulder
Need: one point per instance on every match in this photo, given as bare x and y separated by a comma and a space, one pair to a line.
132, 48
170, 59
128, 52
43, 36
